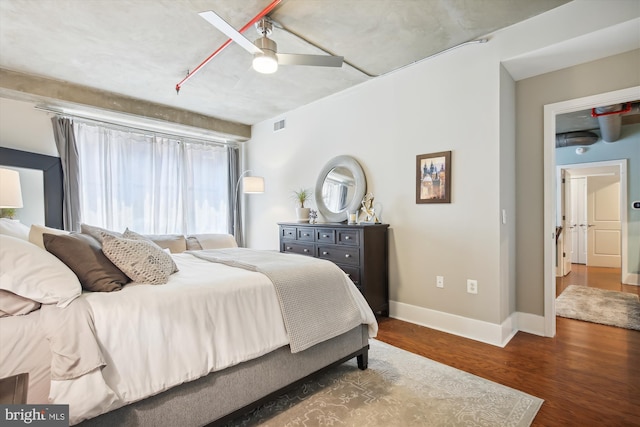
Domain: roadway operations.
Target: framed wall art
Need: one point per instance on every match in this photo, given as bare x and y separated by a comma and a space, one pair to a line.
433, 177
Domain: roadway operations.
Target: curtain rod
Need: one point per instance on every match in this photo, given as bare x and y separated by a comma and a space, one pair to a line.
179, 135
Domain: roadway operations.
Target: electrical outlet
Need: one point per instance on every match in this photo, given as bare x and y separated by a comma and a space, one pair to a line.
440, 281
472, 286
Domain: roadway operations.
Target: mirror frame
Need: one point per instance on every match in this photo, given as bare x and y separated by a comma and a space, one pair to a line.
52, 176
361, 187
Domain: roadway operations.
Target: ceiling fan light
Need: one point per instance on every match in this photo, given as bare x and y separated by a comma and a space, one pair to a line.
265, 63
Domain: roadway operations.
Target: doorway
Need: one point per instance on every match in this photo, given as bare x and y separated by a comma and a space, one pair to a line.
590, 204
551, 203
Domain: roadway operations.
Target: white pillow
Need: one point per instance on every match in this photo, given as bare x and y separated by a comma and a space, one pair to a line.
34, 273
36, 232
14, 228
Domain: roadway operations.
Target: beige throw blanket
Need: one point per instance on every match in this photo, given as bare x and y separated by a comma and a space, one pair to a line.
313, 293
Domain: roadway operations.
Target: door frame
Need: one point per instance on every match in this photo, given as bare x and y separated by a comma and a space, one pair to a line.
549, 187
622, 170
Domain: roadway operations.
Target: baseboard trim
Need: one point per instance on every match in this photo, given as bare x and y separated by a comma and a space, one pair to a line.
478, 330
631, 279
530, 323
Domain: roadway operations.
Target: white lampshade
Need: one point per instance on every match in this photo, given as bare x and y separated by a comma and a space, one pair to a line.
10, 192
253, 184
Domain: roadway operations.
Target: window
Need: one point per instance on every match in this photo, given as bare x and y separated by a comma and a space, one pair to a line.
153, 184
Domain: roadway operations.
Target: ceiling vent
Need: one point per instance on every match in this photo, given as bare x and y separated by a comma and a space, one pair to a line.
279, 125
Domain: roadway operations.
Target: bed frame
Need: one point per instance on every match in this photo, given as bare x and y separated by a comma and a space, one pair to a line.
225, 395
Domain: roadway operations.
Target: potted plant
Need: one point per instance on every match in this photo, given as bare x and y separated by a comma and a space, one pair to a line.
301, 197
7, 213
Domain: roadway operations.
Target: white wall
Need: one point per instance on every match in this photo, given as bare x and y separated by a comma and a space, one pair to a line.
385, 124
22, 127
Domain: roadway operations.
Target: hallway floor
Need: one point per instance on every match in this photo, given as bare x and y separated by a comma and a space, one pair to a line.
594, 277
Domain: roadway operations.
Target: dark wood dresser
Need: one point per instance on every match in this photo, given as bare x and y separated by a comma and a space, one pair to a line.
361, 251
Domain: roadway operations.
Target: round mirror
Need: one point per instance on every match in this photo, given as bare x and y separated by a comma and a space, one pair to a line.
340, 188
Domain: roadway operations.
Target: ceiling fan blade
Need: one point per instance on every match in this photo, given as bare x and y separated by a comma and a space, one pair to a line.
229, 31
314, 60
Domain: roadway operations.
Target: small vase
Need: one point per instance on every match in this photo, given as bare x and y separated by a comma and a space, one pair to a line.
302, 214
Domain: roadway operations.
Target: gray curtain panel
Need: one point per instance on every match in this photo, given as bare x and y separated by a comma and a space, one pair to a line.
66, 143
235, 223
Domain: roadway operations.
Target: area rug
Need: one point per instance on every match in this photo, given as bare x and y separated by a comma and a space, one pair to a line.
398, 389
620, 309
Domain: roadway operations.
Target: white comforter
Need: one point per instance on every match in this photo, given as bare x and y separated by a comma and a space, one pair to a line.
206, 318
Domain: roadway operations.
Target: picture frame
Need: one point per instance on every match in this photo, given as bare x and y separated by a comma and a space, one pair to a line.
433, 177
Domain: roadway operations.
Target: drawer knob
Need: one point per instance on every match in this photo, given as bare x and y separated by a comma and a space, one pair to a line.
347, 256
325, 235
306, 250
346, 237
325, 253
306, 234
288, 248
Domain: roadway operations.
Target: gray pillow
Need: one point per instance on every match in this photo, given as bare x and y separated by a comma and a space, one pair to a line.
82, 254
142, 260
97, 232
193, 244
176, 243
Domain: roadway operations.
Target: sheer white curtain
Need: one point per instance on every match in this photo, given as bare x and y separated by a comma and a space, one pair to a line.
149, 183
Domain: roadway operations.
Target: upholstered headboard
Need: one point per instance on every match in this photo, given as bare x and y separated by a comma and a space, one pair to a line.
51, 168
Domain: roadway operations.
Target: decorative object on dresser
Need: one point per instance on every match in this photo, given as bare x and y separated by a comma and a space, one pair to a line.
369, 211
433, 177
340, 187
301, 197
361, 251
313, 216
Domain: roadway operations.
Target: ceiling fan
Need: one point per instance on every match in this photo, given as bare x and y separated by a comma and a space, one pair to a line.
265, 51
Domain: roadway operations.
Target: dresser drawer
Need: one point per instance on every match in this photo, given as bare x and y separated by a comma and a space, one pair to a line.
297, 248
325, 236
288, 233
353, 272
305, 234
348, 237
339, 254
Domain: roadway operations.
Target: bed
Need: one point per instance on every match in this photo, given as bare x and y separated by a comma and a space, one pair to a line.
227, 330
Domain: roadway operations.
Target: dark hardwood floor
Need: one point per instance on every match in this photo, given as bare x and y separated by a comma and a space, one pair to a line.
588, 374
595, 277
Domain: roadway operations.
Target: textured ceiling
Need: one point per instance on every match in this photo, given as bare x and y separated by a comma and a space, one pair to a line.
143, 48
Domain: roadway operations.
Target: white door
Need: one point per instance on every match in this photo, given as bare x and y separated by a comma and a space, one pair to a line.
578, 216
603, 221
568, 223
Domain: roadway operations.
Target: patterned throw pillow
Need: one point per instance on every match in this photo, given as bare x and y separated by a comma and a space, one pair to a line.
128, 234
141, 260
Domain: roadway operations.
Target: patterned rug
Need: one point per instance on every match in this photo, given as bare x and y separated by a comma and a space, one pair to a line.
620, 309
398, 389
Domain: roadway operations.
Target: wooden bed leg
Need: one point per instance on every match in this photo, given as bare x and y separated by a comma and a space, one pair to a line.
363, 359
